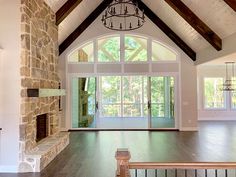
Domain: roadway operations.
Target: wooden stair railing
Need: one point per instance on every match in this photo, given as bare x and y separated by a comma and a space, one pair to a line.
122, 157
124, 167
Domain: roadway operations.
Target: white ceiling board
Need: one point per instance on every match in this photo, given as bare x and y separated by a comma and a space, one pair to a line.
177, 24
55, 4
76, 17
216, 14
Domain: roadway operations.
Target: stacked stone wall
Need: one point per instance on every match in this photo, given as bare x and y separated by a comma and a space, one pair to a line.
39, 69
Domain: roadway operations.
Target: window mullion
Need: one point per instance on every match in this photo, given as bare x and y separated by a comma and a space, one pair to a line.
142, 104
122, 51
121, 98
95, 46
149, 54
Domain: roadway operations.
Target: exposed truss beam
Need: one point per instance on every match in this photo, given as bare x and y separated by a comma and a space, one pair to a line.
66, 9
83, 26
196, 23
171, 34
232, 4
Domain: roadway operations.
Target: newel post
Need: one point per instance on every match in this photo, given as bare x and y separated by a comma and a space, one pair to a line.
122, 157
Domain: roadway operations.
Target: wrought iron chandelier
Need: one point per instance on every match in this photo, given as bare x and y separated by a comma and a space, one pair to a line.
123, 15
229, 84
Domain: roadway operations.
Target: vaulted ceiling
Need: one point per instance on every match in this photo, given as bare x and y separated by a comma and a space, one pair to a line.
217, 15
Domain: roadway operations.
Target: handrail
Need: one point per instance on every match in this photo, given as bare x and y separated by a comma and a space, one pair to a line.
182, 165
123, 165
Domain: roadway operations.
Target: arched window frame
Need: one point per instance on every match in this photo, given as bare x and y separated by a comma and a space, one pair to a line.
149, 39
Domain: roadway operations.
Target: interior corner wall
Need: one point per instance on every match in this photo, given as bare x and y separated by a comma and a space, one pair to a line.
9, 84
188, 77
62, 76
188, 90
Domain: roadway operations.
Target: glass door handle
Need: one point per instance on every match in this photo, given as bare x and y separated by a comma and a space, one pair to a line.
96, 105
149, 105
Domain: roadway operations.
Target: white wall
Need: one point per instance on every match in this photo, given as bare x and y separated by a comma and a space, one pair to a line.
208, 114
9, 84
188, 73
188, 94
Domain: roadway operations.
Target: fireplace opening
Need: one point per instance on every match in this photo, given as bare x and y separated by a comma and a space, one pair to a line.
41, 127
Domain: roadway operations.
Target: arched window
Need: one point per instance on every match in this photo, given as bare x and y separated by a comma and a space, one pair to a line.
122, 48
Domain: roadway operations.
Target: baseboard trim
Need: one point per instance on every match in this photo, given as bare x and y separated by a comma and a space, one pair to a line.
189, 129
129, 129
8, 169
216, 119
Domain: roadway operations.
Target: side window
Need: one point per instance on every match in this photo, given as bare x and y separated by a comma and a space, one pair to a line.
213, 97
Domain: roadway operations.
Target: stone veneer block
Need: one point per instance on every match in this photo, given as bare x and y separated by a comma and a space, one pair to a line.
45, 151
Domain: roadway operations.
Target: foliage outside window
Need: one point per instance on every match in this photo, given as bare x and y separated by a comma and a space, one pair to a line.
233, 99
135, 48
162, 97
127, 100
126, 96
109, 49
110, 96
83, 54
134, 98
214, 97
91, 90
233, 95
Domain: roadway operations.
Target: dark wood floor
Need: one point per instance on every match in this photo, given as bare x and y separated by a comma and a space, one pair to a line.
91, 154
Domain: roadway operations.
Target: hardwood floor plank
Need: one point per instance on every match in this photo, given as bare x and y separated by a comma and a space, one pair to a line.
91, 154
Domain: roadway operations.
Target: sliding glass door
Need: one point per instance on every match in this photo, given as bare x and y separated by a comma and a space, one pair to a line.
162, 102
123, 102
83, 102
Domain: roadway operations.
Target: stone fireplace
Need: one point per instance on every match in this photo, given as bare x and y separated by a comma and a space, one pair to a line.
40, 138
42, 127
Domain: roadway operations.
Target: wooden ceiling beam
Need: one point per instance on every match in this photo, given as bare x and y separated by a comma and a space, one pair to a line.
66, 9
196, 23
171, 34
83, 26
232, 4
